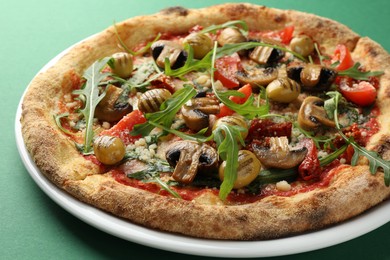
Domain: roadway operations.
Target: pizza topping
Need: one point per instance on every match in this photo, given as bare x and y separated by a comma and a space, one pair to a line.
257, 76
247, 171
230, 35
283, 90
266, 55
257, 104
188, 157
108, 149
121, 64
361, 93
201, 44
313, 77
302, 44
196, 113
110, 108
232, 121
278, 154
312, 114
310, 167
172, 51
151, 100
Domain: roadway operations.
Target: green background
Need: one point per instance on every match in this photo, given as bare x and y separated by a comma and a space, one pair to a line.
32, 226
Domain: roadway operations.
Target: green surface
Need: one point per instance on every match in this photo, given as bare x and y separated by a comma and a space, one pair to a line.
32, 226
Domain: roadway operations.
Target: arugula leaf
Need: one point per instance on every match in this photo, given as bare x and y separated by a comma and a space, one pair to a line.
333, 156
227, 138
135, 53
57, 119
229, 49
91, 97
191, 64
248, 109
374, 159
355, 73
198, 137
167, 111
215, 28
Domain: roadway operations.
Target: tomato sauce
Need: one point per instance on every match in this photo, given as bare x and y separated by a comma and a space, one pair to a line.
190, 193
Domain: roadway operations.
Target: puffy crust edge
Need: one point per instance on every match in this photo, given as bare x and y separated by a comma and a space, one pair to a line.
271, 217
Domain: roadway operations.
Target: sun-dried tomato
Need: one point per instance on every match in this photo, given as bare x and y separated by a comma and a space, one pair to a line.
261, 128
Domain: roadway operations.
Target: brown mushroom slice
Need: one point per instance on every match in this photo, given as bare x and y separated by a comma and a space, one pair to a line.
257, 76
266, 55
168, 49
195, 119
109, 109
312, 114
279, 155
188, 158
312, 76
196, 113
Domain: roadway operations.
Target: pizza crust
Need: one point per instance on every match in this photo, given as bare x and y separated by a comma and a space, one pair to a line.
271, 217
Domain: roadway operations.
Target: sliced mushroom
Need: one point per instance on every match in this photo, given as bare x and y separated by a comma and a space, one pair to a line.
230, 36
266, 55
196, 113
109, 109
302, 44
190, 157
164, 49
312, 114
283, 90
312, 76
279, 155
257, 76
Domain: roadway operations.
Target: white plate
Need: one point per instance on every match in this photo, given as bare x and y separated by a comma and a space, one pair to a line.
348, 230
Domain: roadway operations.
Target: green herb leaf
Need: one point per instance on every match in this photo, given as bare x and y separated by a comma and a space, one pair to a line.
214, 28
227, 138
135, 53
333, 156
57, 119
355, 73
167, 112
248, 109
90, 94
191, 64
374, 159
229, 49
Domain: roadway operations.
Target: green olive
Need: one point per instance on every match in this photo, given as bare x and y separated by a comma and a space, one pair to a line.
122, 64
201, 44
232, 121
109, 149
283, 90
229, 36
248, 169
302, 44
151, 100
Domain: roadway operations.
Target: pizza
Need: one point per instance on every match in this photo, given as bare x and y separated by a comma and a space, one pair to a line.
236, 122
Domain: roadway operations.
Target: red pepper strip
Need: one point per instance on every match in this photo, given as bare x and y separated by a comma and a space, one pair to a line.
310, 167
123, 128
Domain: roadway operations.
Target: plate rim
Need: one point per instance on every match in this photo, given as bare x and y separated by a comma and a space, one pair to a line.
108, 223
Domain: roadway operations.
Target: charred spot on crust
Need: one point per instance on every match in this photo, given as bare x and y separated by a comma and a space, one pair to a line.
179, 10
384, 148
280, 18
240, 10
